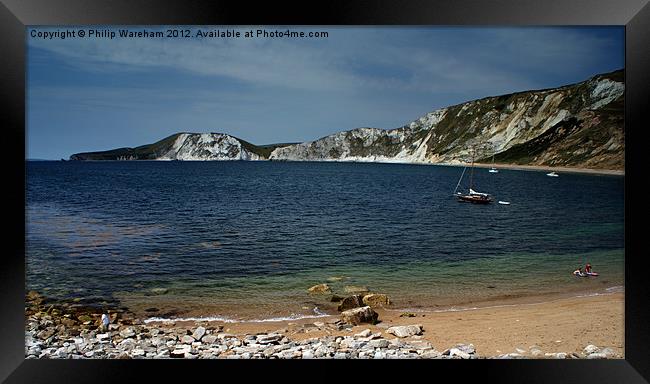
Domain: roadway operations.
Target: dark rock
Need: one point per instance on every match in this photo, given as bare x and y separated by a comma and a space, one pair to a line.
354, 301
336, 298
357, 316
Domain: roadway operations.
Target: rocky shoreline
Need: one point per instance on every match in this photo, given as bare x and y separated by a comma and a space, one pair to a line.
66, 330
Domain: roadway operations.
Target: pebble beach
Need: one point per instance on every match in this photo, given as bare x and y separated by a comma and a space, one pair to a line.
66, 330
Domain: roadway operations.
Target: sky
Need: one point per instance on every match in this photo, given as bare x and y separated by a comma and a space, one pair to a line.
97, 93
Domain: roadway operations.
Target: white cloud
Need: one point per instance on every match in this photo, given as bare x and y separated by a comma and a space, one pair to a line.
344, 61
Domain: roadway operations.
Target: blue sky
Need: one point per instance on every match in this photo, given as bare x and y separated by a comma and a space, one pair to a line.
96, 93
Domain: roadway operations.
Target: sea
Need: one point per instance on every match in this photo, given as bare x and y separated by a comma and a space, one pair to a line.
243, 241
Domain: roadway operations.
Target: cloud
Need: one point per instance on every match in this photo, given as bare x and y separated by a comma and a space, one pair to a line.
350, 60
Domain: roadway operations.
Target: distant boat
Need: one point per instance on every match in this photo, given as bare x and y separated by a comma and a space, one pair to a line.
492, 169
504, 202
552, 174
473, 196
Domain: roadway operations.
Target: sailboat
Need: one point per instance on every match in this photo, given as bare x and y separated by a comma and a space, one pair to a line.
473, 196
492, 169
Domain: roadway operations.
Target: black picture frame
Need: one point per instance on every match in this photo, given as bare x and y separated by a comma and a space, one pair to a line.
15, 15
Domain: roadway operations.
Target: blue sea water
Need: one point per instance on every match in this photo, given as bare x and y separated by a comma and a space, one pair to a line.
246, 239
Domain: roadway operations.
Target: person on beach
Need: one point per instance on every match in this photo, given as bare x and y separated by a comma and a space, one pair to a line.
105, 322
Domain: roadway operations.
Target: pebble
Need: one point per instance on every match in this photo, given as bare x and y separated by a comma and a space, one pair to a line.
364, 333
187, 339
198, 333
405, 330
457, 352
268, 339
209, 339
103, 336
129, 332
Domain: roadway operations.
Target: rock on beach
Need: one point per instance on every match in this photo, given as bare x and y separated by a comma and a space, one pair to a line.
350, 302
376, 300
198, 333
360, 315
405, 330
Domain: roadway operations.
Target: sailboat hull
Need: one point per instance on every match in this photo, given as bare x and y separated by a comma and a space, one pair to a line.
474, 199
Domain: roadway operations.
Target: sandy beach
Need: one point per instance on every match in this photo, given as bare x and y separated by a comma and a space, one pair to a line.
616, 172
558, 325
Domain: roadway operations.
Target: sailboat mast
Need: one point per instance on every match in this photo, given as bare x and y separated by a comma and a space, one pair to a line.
471, 175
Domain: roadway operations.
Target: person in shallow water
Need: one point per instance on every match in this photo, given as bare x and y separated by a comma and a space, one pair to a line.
578, 272
588, 268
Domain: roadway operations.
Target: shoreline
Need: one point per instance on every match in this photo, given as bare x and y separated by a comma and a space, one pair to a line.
565, 327
516, 167
318, 312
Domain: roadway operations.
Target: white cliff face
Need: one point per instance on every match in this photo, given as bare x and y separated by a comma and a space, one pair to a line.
362, 144
500, 123
577, 125
207, 146
605, 91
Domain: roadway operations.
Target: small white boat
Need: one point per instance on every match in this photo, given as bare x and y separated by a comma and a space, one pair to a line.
552, 174
504, 202
492, 169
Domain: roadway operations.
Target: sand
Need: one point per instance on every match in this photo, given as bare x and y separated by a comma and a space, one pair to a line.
559, 325
616, 172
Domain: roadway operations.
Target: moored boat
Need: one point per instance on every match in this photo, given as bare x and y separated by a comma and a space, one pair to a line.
472, 196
